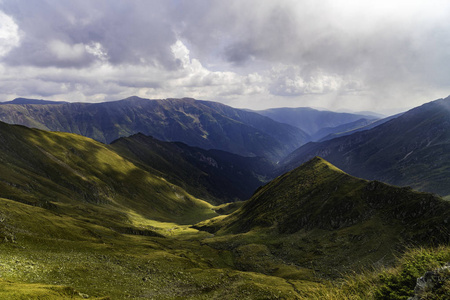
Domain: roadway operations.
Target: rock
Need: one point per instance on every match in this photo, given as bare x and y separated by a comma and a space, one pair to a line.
431, 283
84, 296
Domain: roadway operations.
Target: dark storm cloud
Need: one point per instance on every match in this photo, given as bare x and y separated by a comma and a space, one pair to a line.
57, 33
388, 45
371, 49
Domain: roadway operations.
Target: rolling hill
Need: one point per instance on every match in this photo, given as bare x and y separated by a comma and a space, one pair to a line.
202, 124
410, 150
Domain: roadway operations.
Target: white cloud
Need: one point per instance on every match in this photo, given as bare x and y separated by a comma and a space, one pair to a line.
181, 53
9, 34
291, 80
248, 53
97, 50
66, 52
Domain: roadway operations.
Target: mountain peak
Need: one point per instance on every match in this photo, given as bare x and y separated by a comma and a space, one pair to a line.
316, 166
135, 98
318, 161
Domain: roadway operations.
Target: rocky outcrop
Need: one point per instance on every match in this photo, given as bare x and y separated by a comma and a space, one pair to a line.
433, 285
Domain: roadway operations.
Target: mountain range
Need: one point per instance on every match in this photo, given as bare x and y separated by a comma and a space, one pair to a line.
137, 213
204, 124
319, 123
409, 150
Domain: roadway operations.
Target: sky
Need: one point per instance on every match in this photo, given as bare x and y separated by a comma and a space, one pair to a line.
354, 55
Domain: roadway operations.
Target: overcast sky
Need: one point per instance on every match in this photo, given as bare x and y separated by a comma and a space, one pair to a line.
383, 55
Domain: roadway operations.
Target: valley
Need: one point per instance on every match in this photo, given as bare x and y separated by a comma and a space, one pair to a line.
189, 199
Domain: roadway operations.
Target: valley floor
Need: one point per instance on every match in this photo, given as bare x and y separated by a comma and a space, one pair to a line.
62, 257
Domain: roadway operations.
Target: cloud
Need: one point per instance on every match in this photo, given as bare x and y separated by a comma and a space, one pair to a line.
294, 81
9, 34
254, 53
130, 32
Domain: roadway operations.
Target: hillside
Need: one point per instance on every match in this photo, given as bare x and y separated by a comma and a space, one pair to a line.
49, 169
317, 123
83, 219
317, 215
410, 150
78, 220
213, 175
197, 123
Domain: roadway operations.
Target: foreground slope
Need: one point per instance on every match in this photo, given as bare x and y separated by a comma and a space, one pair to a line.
412, 149
213, 175
317, 215
203, 124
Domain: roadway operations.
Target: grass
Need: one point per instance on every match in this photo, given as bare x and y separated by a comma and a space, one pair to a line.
79, 254
395, 283
68, 256
23, 291
78, 219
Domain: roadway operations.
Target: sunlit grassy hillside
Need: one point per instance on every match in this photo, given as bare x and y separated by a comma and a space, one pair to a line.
79, 220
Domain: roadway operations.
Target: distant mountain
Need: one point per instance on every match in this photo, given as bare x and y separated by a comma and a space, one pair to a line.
202, 124
20, 101
353, 127
330, 132
213, 175
311, 120
412, 149
318, 215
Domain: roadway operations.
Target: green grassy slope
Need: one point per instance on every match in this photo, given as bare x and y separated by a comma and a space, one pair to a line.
43, 168
77, 219
65, 254
410, 150
318, 216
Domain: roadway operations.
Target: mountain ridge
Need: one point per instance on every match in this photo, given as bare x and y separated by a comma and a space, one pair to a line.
411, 149
317, 215
197, 123
318, 177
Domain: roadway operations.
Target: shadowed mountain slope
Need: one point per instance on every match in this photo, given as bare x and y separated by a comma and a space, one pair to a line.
213, 175
356, 126
412, 149
202, 124
316, 123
